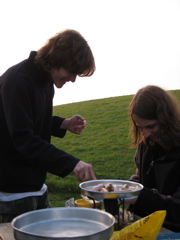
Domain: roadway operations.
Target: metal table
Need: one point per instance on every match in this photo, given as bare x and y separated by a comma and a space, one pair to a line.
6, 231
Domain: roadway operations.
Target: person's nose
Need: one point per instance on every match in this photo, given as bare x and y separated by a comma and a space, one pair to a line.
146, 132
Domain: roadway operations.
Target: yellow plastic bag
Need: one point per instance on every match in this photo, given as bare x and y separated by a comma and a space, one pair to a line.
146, 228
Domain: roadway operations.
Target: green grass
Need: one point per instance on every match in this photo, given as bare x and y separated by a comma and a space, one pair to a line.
104, 143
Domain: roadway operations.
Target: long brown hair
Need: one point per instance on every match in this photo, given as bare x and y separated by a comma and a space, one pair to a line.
67, 49
155, 103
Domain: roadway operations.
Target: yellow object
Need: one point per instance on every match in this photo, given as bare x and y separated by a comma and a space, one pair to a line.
146, 228
87, 203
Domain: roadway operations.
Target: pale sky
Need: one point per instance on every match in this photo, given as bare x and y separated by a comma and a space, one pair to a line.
134, 42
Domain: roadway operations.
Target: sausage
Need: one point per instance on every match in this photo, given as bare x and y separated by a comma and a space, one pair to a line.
115, 188
97, 188
103, 189
125, 187
109, 187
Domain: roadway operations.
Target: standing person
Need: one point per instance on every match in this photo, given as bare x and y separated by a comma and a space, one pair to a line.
155, 116
26, 123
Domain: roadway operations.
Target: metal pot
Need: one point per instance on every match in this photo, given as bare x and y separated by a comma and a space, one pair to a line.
63, 224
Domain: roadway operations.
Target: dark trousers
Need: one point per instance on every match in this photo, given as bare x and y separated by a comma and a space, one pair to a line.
10, 210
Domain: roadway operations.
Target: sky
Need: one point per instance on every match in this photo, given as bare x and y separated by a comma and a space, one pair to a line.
134, 42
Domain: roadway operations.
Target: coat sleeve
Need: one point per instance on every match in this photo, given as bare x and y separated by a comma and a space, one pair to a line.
151, 200
135, 177
55, 130
20, 113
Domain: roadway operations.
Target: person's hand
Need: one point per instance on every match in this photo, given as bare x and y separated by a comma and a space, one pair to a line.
74, 124
84, 171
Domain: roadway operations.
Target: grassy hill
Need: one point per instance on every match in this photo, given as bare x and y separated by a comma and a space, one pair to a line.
104, 143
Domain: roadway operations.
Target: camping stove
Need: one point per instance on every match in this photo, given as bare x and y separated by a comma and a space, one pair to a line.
116, 208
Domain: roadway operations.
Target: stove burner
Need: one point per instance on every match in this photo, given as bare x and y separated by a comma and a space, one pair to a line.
112, 206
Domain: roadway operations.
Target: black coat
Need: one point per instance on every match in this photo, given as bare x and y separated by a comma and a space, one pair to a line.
159, 172
26, 126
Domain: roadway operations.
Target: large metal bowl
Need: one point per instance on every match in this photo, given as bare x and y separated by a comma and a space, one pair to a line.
86, 189
63, 224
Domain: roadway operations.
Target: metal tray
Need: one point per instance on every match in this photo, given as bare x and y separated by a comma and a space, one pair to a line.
86, 189
63, 224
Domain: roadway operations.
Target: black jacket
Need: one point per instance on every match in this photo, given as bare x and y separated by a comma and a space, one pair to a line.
26, 126
159, 172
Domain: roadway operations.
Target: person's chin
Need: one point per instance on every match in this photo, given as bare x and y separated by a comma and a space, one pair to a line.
59, 85
154, 138
148, 141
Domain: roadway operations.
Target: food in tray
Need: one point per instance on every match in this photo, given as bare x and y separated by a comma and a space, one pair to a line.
111, 188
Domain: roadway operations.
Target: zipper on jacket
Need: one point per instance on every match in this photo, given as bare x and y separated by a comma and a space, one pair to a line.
150, 167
